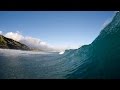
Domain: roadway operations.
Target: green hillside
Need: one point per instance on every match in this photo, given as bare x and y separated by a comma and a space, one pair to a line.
7, 43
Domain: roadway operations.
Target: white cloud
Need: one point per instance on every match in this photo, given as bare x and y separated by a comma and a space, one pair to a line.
15, 36
34, 43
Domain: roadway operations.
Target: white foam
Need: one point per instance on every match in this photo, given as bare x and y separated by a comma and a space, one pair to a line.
8, 52
61, 52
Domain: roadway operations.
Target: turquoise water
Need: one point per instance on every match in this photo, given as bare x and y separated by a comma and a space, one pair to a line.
98, 60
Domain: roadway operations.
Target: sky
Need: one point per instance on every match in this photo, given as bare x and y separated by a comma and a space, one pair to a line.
54, 29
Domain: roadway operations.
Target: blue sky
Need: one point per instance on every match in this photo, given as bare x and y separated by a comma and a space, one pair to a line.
57, 28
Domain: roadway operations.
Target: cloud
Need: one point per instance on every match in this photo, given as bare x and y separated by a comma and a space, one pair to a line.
15, 36
33, 43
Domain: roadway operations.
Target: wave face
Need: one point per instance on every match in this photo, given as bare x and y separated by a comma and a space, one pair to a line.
102, 55
98, 60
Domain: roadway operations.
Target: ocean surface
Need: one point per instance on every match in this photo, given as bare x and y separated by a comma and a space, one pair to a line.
17, 64
98, 60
